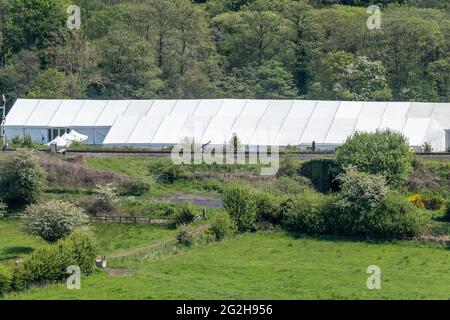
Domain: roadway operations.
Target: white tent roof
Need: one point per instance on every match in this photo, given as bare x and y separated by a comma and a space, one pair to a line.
60, 142
254, 121
112, 110
75, 136
43, 113
161, 107
66, 113
20, 112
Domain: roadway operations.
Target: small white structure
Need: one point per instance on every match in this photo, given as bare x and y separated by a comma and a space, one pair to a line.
75, 136
156, 123
60, 142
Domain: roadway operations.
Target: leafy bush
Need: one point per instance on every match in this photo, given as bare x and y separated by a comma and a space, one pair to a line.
185, 234
3, 210
54, 219
321, 173
188, 235
50, 263
221, 226
83, 248
22, 178
240, 204
427, 201
383, 152
105, 200
289, 166
306, 213
5, 279
21, 278
186, 214
396, 217
267, 208
417, 200
366, 207
432, 201
19, 142
360, 194
360, 191
447, 210
169, 173
291, 185
133, 188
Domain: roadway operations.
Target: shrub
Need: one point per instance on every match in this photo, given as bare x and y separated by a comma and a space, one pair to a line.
360, 191
366, 207
427, 201
427, 147
289, 166
240, 204
133, 188
83, 248
186, 214
423, 176
321, 173
76, 174
5, 279
306, 213
22, 178
105, 200
54, 219
447, 210
221, 226
267, 208
432, 201
50, 263
291, 185
383, 152
185, 234
3, 210
19, 142
172, 173
21, 278
396, 217
360, 194
417, 200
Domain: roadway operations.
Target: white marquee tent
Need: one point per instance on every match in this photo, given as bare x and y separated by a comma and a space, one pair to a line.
155, 123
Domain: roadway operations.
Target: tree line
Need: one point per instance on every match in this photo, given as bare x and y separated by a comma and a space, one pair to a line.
316, 49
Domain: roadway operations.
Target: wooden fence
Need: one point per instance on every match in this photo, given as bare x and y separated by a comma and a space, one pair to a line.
145, 220
140, 220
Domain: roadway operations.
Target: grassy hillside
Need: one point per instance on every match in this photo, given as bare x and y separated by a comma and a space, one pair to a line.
273, 265
111, 237
14, 242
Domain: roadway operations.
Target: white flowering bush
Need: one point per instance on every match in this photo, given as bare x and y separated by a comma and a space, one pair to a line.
54, 219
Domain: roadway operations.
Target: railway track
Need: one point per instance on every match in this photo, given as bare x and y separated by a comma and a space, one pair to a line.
299, 155
160, 154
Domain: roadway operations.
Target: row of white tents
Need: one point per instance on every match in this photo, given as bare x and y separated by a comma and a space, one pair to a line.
156, 123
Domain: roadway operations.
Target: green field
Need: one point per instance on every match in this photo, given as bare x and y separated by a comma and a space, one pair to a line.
272, 265
204, 180
111, 237
14, 242
145, 262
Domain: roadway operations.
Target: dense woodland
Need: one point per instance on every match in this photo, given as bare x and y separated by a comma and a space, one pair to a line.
316, 49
